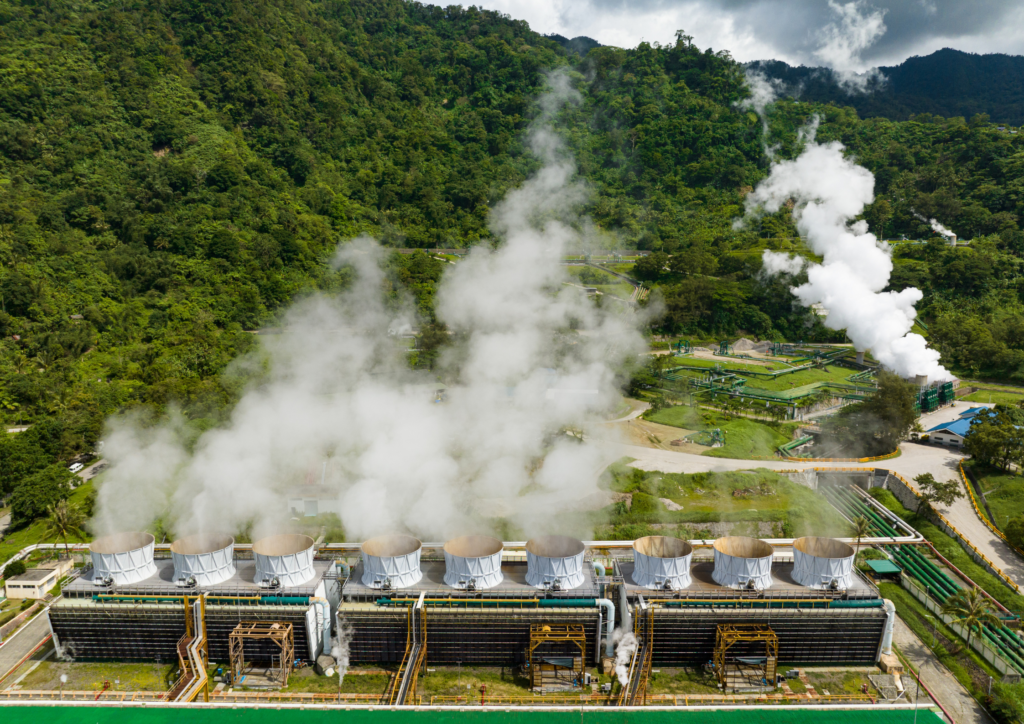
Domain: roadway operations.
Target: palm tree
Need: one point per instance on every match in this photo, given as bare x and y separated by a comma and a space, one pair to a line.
861, 527
63, 520
972, 609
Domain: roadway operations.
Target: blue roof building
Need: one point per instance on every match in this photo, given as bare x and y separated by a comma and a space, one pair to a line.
953, 433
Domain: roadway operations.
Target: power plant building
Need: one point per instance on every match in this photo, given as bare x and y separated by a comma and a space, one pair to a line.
477, 600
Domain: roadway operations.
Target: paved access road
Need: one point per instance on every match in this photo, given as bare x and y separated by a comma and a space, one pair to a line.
949, 692
21, 643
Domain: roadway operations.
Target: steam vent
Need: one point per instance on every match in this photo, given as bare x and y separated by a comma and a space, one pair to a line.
554, 562
473, 562
391, 561
283, 560
661, 563
743, 563
822, 563
203, 560
123, 558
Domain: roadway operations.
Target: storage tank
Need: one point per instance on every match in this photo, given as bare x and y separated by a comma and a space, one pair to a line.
742, 562
822, 563
661, 563
122, 558
554, 562
203, 559
391, 561
473, 562
283, 560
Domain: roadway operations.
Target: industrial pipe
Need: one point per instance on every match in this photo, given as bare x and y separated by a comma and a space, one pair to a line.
890, 623
627, 619
325, 608
609, 618
598, 569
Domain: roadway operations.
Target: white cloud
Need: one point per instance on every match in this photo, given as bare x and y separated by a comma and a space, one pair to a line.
788, 30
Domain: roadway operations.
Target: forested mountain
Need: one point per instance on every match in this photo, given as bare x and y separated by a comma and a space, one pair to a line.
946, 83
172, 174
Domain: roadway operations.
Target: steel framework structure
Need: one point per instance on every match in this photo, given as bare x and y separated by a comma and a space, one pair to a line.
731, 634
280, 634
568, 638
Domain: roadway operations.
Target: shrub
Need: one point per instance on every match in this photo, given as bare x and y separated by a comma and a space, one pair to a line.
15, 569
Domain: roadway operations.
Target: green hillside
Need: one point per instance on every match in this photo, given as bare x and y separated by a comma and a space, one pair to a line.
173, 174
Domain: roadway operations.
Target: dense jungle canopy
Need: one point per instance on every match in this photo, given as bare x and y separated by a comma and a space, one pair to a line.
173, 173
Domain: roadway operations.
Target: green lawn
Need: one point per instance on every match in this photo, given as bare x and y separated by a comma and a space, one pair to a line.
994, 396
307, 680
1004, 493
83, 676
34, 532
744, 438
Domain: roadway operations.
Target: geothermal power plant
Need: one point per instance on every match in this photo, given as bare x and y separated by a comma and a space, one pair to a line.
472, 600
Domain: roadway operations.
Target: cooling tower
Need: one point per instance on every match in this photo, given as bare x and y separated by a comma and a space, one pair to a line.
822, 563
203, 560
391, 561
742, 562
554, 562
473, 562
123, 558
283, 560
661, 563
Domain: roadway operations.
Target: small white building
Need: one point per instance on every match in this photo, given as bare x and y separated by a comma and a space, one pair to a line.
37, 582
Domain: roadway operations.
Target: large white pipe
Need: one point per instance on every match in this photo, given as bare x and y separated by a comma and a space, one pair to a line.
890, 624
609, 626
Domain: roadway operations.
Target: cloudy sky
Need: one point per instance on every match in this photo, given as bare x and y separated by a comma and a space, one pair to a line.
856, 34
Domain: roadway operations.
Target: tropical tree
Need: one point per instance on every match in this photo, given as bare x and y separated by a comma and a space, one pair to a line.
861, 527
63, 519
972, 609
933, 491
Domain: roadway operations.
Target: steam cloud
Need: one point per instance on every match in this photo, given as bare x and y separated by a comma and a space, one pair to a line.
829, 191
858, 26
625, 647
340, 647
936, 226
530, 356
763, 92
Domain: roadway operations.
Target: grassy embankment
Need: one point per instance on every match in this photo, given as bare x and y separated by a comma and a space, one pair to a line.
953, 552
1004, 493
999, 397
747, 501
34, 532
744, 438
973, 672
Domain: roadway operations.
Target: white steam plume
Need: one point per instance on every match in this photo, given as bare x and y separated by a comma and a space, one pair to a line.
936, 226
625, 647
530, 357
763, 92
340, 647
829, 192
777, 262
857, 27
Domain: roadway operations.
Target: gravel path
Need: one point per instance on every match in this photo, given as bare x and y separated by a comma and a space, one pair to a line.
949, 692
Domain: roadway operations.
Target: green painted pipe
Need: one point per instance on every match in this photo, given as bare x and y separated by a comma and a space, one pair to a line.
874, 603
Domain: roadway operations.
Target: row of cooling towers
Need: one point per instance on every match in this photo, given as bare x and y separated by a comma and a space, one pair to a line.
203, 560
556, 563
471, 562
